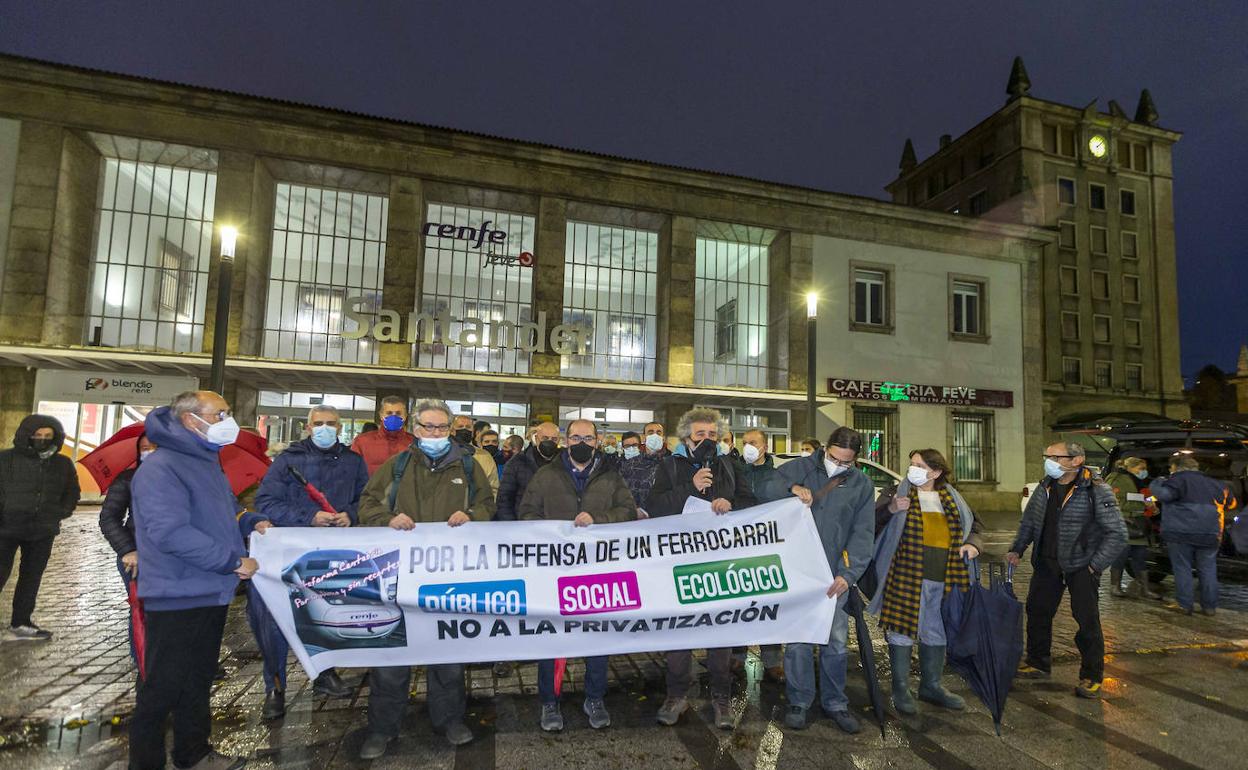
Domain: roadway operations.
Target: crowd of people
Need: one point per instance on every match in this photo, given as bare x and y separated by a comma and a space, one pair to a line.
180, 532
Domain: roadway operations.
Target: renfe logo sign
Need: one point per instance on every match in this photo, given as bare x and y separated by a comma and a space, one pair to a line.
477, 237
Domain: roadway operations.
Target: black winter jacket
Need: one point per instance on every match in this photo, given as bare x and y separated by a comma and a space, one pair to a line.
1090, 530
673, 485
516, 475
36, 494
115, 520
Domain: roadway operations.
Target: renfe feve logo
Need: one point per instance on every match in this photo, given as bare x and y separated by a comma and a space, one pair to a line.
604, 592
486, 597
714, 580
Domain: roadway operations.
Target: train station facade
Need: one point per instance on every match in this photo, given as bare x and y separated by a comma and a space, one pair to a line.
514, 280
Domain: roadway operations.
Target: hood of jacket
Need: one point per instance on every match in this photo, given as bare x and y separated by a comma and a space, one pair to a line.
32, 423
167, 432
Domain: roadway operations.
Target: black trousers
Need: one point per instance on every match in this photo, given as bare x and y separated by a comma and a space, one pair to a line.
35, 555
388, 689
182, 650
1043, 598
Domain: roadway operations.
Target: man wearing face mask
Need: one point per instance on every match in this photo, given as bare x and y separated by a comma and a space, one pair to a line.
697, 469
760, 469
841, 500
435, 481
377, 446
38, 489
1074, 522
582, 488
609, 448
340, 475
638, 470
462, 432
189, 529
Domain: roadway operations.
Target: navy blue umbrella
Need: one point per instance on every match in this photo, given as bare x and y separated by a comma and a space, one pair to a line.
854, 606
984, 631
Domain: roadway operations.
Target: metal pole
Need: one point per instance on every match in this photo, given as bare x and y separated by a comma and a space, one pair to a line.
221, 333
810, 376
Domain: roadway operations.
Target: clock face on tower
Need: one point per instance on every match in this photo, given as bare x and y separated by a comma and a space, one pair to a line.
1098, 146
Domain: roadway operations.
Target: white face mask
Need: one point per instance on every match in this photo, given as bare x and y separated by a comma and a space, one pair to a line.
725, 447
916, 475
221, 433
1053, 469
654, 442
751, 453
146, 454
832, 468
805, 453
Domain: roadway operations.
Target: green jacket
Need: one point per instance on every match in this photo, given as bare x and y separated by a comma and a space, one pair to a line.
552, 495
429, 491
1123, 483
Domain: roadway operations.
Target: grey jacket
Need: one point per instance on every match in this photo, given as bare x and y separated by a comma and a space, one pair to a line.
1090, 530
844, 516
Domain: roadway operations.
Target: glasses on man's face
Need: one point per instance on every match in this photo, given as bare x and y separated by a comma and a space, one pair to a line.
633, 445
429, 427
1059, 457
574, 439
840, 463
319, 423
221, 415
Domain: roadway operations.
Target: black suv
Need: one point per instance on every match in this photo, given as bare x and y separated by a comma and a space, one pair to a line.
1221, 449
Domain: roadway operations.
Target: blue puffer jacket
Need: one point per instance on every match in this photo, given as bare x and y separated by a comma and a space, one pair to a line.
1193, 508
338, 472
186, 521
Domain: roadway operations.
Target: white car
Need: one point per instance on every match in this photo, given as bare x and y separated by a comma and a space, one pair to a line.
332, 593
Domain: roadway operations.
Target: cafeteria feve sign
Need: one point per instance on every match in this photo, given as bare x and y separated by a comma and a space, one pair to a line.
906, 392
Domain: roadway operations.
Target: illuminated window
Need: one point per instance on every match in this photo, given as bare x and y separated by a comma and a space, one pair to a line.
870, 296
153, 235
879, 435
730, 308
968, 308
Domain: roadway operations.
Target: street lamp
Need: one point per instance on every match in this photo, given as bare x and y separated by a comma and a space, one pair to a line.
812, 306
221, 332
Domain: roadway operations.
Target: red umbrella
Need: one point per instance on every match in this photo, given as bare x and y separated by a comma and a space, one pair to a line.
244, 461
138, 623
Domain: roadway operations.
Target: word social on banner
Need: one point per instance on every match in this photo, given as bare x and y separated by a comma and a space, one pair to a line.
545, 589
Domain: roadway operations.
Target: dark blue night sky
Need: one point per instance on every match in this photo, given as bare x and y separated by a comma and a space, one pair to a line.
808, 93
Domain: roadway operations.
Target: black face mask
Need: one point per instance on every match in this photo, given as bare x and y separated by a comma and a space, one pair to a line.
704, 451
581, 453
464, 436
547, 448
41, 444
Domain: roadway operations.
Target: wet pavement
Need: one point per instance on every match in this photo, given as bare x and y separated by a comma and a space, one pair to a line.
1175, 697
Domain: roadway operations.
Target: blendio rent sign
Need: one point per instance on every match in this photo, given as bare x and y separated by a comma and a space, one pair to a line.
489, 591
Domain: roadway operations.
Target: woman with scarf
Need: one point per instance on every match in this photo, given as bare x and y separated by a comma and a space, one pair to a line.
920, 556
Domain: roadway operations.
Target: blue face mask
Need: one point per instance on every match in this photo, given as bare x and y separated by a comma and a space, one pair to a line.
630, 452
435, 447
324, 436
392, 422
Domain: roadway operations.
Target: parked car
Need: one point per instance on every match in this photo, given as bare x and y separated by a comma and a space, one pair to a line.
343, 595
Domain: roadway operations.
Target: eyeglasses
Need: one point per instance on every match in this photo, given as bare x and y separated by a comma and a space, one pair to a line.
1059, 457
840, 463
580, 439
221, 415
632, 446
431, 428
319, 423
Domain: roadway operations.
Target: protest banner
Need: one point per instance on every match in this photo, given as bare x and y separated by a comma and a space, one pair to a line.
489, 591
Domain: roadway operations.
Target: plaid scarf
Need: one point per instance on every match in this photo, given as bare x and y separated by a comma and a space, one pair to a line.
903, 588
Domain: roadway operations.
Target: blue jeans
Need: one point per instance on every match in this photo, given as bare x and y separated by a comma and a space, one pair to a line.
274, 648
595, 679
799, 667
1205, 559
1137, 556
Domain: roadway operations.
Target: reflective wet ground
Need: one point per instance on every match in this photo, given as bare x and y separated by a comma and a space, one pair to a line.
1176, 696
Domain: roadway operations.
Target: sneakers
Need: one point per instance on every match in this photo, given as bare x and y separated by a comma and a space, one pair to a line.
375, 745
672, 710
28, 633
795, 718
1088, 689
329, 684
845, 720
1028, 671
596, 710
722, 711
1176, 607
552, 718
457, 734
274, 705
216, 761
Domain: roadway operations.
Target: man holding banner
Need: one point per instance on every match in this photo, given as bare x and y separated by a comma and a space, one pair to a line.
435, 480
583, 488
698, 469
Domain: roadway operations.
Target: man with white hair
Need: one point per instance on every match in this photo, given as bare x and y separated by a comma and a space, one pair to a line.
326, 464
698, 468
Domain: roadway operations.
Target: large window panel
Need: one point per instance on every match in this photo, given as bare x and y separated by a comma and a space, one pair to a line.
609, 285
460, 277
730, 313
153, 230
329, 245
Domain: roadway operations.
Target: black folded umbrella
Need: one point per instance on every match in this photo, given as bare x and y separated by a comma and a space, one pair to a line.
854, 606
984, 631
